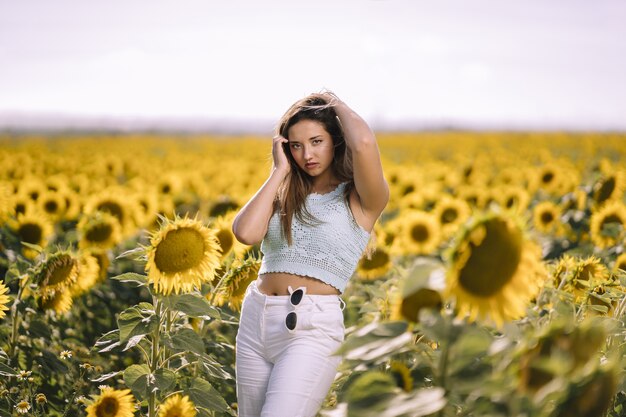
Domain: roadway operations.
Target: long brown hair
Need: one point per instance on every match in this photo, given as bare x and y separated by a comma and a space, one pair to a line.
298, 184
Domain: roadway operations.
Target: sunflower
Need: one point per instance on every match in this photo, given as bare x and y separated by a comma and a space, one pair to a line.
32, 188
421, 288
609, 188
4, 299
224, 234
451, 212
112, 403
53, 204
59, 300
239, 276
620, 263
374, 266
88, 274
549, 177
546, 217
34, 228
402, 375
21, 204
512, 197
118, 203
572, 344
73, 205
607, 224
148, 202
99, 231
177, 406
57, 272
588, 272
591, 396
475, 196
420, 233
182, 255
5, 200
494, 270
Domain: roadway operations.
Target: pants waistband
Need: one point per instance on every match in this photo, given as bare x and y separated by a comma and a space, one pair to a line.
283, 300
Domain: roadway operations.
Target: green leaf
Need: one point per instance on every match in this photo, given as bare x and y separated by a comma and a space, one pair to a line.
193, 305
38, 328
136, 322
204, 395
133, 278
420, 403
376, 341
6, 371
165, 379
186, 340
51, 363
136, 378
108, 341
106, 376
32, 246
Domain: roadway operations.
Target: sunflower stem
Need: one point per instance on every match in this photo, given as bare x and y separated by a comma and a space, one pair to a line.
443, 361
217, 286
15, 319
154, 359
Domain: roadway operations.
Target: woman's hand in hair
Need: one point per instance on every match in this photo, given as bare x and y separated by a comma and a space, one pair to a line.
281, 163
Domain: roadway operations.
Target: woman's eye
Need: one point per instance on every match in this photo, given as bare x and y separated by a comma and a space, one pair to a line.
316, 141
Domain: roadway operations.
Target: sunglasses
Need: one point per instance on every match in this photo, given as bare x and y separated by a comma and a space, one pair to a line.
292, 318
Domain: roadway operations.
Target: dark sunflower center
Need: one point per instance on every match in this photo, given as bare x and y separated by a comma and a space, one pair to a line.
20, 208
113, 208
107, 408
99, 232
423, 298
547, 217
419, 233
51, 206
31, 233
180, 250
449, 215
222, 208
407, 189
611, 219
511, 201
493, 262
379, 259
606, 190
225, 239
547, 177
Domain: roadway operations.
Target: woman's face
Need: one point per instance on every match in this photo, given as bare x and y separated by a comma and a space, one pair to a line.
311, 146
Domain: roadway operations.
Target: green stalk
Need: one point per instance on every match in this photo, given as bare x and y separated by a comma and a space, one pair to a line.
15, 320
154, 359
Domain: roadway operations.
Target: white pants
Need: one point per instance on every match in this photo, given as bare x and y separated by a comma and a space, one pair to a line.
281, 373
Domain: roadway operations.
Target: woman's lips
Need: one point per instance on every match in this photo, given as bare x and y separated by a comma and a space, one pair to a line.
311, 165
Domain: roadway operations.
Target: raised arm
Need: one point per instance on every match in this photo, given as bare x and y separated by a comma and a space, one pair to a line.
369, 181
250, 224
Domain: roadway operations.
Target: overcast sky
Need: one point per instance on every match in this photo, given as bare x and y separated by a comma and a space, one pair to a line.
531, 63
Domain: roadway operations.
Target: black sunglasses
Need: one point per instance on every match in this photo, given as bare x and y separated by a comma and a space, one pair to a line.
292, 318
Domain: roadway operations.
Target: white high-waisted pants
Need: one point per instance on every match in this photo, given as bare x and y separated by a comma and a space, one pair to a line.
280, 373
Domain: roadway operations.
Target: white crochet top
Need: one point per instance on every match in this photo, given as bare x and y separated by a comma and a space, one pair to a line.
328, 251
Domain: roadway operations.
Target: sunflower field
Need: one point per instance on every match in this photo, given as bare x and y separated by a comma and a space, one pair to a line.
494, 284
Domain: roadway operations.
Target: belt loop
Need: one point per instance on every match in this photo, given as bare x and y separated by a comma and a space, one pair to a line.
343, 303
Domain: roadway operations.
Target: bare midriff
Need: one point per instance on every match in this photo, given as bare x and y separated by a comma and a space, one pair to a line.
276, 283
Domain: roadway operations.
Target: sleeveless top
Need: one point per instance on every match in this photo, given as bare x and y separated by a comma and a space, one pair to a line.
328, 251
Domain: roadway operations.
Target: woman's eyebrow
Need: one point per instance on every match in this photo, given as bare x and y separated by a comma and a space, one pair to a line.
311, 138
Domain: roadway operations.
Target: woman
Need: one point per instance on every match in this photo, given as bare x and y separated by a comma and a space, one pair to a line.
313, 216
